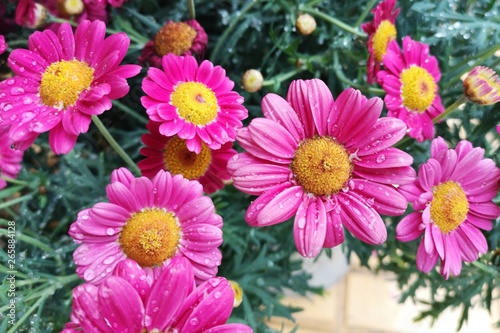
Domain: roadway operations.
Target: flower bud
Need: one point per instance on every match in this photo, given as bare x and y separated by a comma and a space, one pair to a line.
70, 7
482, 86
238, 293
306, 24
252, 80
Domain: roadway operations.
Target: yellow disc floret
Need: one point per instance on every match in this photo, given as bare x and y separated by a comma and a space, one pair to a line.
449, 206
418, 89
174, 37
321, 165
386, 32
179, 160
150, 237
63, 81
195, 103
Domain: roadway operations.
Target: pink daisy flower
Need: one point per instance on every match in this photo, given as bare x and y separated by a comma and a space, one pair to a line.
151, 222
452, 199
3, 44
171, 154
179, 38
10, 159
125, 302
62, 80
381, 30
194, 102
410, 79
328, 163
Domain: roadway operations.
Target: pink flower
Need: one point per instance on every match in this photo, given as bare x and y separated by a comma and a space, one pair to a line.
10, 159
125, 302
410, 80
452, 199
328, 163
171, 154
62, 80
151, 222
194, 102
381, 30
179, 38
3, 45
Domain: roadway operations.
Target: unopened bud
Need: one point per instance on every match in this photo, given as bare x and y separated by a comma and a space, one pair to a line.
238, 293
482, 86
306, 24
252, 80
70, 7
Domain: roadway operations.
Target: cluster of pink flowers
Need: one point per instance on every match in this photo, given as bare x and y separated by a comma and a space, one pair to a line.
150, 254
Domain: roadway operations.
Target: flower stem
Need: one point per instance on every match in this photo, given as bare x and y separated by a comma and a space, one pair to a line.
365, 12
192, 10
281, 77
334, 21
115, 145
14, 181
130, 112
449, 109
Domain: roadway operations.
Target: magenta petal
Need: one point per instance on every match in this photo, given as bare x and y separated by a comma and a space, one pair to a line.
392, 176
122, 175
408, 228
426, 261
276, 108
61, 141
120, 195
488, 210
86, 310
437, 238
309, 228
429, 174
282, 207
385, 199
475, 236
411, 191
468, 251
481, 223
124, 309
143, 190
173, 286
321, 104
452, 263
253, 211
298, 98
387, 158
334, 230
230, 328
348, 103
279, 142
201, 237
130, 271
385, 133
361, 220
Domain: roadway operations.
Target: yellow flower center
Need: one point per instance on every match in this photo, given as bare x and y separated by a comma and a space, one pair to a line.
70, 7
385, 32
174, 37
321, 165
238, 293
63, 81
195, 103
418, 89
179, 160
150, 237
449, 206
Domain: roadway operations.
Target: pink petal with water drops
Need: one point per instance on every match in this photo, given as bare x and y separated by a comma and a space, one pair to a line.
386, 200
276, 108
310, 227
426, 261
408, 228
334, 230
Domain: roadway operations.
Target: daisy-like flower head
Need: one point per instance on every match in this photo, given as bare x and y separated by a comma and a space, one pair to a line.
125, 302
77, 10
196, 103
482, 86
179, 38
381, 30
151, 222
328, 163
62, 80
171, 154
3, 44
452, 199
10, 159
410, 79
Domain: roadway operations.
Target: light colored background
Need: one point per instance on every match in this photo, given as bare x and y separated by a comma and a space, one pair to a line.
359, 301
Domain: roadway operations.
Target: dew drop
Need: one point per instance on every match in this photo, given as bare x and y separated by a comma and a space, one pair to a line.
217, 294
381, 158
194, 321
110, 231
301, 223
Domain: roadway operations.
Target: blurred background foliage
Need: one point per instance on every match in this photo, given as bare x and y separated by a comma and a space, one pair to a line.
256, 34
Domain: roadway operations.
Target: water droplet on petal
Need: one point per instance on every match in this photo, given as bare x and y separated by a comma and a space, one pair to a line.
380, 158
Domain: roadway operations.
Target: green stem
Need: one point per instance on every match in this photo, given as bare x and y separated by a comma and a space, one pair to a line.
14, 181
334, 21
192, 11
365, 12
229, 30
281, 77
115, 145
27, 239
9, 203
485, 268
130, 112
449, 109
30, 310
147, 21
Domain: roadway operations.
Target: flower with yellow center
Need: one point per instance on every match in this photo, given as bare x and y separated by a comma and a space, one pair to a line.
179, 160
70, 7
150, 221
321, 166
386, 32
449, 206
63, 81
195, 103
150, 237
418, 89
482, 86
174, 37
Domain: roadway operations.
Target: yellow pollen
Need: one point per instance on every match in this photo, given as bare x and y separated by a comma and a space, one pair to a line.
179, 160
449, 206
150, 237
63, 81
174, 37
385, 32
418, 89
195, 103
321, 165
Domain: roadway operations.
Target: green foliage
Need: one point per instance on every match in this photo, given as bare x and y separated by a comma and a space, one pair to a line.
258, 34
